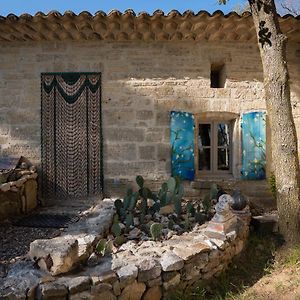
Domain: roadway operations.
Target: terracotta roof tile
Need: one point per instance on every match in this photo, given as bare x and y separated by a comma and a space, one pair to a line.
142, 26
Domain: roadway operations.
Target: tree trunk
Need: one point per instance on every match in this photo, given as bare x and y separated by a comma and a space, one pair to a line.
272, 45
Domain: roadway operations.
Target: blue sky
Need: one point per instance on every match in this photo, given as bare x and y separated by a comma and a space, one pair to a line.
32, 6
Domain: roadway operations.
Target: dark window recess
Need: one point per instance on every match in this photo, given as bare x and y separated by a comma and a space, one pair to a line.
217, 76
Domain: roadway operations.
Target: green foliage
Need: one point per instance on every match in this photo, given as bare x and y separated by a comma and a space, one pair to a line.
207, 204
200, 217
118, 205
171, 183
144, 194
171, 192
162, 194
119, 240
116, 229
191, 209
156, 230
213, 191
129, 220
187, 223
104, 247
292, 257
140, 181
171, 224
207, 201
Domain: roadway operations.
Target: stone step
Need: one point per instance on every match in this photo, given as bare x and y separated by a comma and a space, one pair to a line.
266, 223
262, 195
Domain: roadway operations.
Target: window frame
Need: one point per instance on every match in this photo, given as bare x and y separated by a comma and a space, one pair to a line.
214, 172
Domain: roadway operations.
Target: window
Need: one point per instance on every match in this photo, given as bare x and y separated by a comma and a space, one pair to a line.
214, 147
217, 76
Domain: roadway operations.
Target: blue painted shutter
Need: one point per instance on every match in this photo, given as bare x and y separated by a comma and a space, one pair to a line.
182, 142
254, 146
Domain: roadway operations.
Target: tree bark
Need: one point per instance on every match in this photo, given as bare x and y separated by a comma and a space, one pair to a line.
272, 45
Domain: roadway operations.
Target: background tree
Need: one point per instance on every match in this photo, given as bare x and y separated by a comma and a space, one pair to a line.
291, 6
272, 47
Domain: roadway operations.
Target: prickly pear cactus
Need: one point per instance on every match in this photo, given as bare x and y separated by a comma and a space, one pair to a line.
129, 220
116, 229
213, 191
118, 205
156, 230
190, 209
171, 184
207, 204
140, 181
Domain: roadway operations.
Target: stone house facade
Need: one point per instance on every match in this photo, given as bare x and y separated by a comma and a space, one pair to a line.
207, 66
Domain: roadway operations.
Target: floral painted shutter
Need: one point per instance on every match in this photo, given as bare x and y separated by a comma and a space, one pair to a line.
254, 146
182, 142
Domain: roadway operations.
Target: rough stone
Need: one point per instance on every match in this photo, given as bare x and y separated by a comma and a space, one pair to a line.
167, 209
109, 277
148, 269
190, 251
86, 295
21, 277
219, 243
117, 288
133, 291
86, 242
172, 282
153, 293
127, 275
107, 295
167, 276
61, 252
171, 262
190, 271
100, 288
52, 290
154, 282
76, 284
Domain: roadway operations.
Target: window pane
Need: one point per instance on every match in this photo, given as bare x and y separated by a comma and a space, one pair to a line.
223, 159
204, 135
223, 135
204, 159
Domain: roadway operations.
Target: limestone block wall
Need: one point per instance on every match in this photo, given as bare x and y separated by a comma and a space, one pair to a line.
141, 83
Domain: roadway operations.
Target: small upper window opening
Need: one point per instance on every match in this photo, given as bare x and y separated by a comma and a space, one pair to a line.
217, 76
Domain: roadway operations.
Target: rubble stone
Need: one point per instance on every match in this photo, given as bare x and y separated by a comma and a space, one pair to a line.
133, 291
60, 254
171, 262
148, 269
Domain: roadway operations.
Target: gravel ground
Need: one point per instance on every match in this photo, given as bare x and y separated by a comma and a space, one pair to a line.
15, 241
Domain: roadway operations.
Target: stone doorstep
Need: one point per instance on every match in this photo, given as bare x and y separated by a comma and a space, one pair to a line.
266, 223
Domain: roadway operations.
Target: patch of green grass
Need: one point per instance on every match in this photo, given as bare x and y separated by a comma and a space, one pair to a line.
292, 257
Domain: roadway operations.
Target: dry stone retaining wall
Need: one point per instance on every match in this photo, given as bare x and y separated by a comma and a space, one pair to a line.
143, 270
17, 197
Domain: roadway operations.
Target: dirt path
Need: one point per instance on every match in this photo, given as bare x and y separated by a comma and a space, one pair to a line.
15, 241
